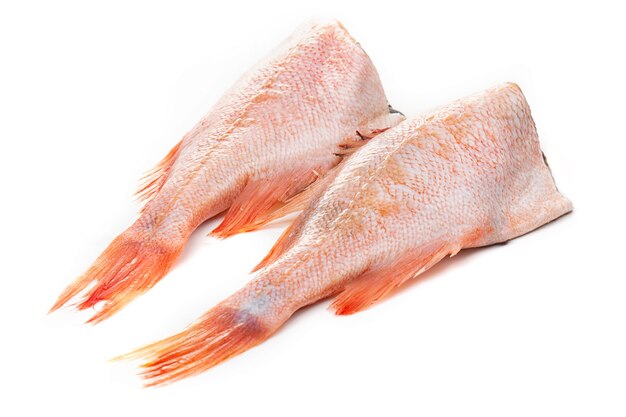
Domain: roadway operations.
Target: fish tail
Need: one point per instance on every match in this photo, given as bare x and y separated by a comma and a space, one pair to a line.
220, 334
128, 267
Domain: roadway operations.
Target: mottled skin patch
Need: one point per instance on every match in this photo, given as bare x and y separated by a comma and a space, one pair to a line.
470, 174
272, 134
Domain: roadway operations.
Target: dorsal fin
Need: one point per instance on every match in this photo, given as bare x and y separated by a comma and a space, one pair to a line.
298, 202
284, 242
153, 180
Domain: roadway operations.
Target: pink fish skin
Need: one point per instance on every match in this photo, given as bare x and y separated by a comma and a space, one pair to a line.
469, 174
273, 133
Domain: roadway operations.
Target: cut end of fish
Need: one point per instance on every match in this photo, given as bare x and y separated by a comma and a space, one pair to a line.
219, 335
126, 269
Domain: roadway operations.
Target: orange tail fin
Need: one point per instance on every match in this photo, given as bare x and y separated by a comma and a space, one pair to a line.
219, 335
127, 268
374, 284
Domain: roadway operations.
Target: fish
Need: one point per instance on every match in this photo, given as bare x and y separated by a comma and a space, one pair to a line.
466, 175
283, 125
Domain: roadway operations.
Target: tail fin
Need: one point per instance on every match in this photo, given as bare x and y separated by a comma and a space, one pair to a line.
127, 268
220, 334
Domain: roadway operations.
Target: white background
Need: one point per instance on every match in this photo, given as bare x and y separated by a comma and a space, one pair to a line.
91, 96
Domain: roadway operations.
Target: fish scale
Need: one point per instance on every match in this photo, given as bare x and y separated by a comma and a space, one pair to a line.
271, 135
467, 175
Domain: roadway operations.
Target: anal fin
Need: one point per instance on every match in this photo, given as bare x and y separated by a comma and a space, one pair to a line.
266, 199
263, 196
377, 282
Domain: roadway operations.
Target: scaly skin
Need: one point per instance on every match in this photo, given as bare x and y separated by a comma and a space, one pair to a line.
470, 174
271, 134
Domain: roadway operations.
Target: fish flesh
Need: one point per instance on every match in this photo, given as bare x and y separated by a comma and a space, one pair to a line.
278, 129
469, 174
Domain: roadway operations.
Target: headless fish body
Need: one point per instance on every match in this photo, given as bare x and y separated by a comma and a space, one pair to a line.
468, 175
278, 129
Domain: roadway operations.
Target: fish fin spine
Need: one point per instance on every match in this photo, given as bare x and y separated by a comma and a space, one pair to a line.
377, 282
152, 181
260, 198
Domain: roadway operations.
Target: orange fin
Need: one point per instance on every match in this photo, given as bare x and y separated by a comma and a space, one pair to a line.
374, 284
298, 202
153, 180
301, 200
260, 202
126, 269
284, 242
219, 335
260, 197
